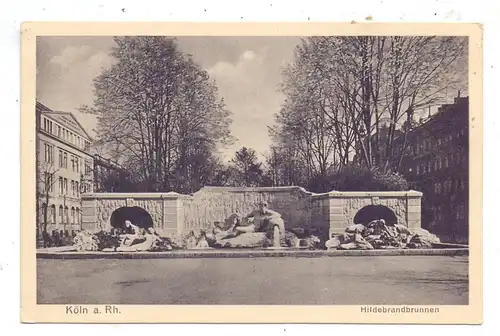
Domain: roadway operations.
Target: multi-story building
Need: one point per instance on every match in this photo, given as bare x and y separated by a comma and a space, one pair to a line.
64, 168
110, 176
437, 163
433, 155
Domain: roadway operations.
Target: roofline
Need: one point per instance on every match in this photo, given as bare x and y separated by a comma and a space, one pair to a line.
44, 106
76, 119
442, 109
49, 110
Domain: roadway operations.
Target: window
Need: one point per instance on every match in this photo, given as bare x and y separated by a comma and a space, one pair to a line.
77, 166
435, 165
429, 167
61, 186
446, 165
49, 153
48, 181
60, 158
44, 211
449, 183
77, 215
418, 170
72, 188
65, 161
66, 215
65, 186
73, 217
61, 215
46, 177
438, 188
459, 211
53, 214
86, 187
77, 189
87, 167
440, 213
58, 131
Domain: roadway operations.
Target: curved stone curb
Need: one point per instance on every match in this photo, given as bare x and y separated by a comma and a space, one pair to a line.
252, 254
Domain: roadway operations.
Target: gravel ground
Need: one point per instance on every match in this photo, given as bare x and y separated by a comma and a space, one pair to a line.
430, 280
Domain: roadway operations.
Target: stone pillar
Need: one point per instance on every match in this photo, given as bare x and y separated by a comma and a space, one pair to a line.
336, 216
172, 220
89, 214
344, 205
414, 211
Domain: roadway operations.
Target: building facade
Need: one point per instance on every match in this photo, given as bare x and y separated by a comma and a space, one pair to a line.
436, 162
64, 169
110, 176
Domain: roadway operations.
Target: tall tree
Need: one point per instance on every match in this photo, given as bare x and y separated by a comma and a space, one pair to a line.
341, 91
245, 170
46, 180
161, 111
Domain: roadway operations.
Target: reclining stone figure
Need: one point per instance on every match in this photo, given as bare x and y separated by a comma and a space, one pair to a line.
249, 231
261, 220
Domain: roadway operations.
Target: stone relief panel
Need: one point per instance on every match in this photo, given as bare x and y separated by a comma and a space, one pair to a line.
208, 206
155, 209
104, 209
350, 206
200, 210
398, 206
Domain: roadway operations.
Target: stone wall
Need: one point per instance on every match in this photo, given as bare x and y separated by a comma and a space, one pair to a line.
175, 214
162, 207
211, 204
344, 206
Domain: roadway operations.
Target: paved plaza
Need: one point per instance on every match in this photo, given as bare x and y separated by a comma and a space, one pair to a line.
365, 280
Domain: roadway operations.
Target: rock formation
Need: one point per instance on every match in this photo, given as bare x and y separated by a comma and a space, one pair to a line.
378, 235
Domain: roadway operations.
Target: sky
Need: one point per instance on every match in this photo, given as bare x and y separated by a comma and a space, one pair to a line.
247, 71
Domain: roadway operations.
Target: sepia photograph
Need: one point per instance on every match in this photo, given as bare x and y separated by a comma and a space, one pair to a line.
298, 170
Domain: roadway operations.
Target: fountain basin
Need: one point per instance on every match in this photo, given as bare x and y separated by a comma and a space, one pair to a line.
440, 249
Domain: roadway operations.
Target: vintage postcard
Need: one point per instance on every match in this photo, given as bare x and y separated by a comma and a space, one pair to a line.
252, 173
